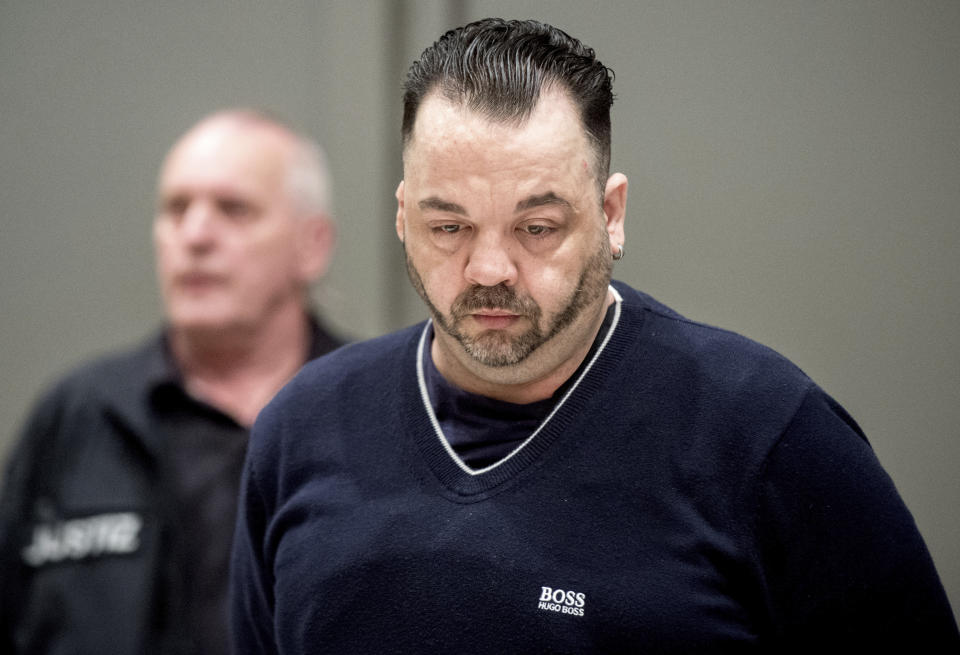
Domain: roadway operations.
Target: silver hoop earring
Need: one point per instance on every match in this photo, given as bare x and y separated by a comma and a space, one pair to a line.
619, 255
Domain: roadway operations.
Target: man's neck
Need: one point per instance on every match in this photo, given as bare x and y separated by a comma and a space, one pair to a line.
239, 371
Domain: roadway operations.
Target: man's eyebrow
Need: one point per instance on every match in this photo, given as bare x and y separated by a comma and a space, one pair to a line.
436, 203
548, 198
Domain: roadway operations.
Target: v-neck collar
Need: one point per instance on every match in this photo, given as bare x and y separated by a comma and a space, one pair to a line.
447, 464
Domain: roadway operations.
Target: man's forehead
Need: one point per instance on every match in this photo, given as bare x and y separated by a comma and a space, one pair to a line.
455, 150
442, 121
224, 150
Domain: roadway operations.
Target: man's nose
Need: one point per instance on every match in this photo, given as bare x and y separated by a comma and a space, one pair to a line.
490, 262
198, 225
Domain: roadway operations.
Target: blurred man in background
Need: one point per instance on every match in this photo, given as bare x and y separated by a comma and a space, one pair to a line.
118, 508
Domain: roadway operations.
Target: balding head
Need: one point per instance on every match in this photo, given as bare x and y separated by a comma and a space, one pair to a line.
303, 163
241, 226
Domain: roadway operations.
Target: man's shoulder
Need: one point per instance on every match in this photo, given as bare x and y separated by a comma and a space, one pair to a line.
638, 300
116, 373
687, 347
361, 379
359, 356
353, 367
714, 381
74, 408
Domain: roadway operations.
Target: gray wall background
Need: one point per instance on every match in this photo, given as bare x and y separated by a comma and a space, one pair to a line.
794, 175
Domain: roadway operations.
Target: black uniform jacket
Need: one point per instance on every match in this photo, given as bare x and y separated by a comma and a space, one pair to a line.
117, 513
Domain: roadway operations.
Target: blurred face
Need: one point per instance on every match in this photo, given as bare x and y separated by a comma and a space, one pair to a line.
507, 239
225, 232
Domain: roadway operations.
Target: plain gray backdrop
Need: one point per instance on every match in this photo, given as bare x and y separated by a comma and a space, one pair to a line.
794, 175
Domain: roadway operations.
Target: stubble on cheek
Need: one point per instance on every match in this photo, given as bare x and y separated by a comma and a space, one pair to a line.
491, 347
498, 348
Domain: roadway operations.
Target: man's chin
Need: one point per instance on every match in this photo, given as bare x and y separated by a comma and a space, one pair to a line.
496, 348
204, 322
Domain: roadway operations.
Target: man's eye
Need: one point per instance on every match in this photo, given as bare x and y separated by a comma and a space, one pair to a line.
537, 230
175, 207
450, 229
235, 208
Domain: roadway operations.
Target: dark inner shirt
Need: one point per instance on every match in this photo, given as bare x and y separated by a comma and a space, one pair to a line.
205, 456
483, 430
201, 480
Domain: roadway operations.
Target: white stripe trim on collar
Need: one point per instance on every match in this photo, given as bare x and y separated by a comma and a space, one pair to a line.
425, 396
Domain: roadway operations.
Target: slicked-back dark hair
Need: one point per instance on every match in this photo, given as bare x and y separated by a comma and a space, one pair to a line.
498, 68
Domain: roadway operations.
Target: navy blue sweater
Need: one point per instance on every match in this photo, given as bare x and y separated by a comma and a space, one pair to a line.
694, 492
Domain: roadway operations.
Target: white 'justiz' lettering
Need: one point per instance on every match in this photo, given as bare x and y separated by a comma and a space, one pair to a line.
75, 539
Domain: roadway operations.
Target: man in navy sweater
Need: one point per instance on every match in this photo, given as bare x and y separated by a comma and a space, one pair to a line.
554, 462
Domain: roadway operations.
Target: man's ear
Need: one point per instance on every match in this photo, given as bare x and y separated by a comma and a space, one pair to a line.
317, 236
615, 210
400, 226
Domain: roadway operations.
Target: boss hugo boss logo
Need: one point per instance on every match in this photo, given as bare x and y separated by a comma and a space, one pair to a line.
564, 602
91, 536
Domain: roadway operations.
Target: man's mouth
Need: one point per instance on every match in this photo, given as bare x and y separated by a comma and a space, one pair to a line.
494, 319
198, 281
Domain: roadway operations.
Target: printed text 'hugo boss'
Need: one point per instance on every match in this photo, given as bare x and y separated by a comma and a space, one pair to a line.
564, 602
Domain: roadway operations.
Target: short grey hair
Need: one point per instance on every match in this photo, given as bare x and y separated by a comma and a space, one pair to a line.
308, 177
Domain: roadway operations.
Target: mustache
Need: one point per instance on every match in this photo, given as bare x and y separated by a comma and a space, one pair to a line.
499, 297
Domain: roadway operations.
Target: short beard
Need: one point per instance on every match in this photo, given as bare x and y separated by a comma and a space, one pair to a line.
495, 348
